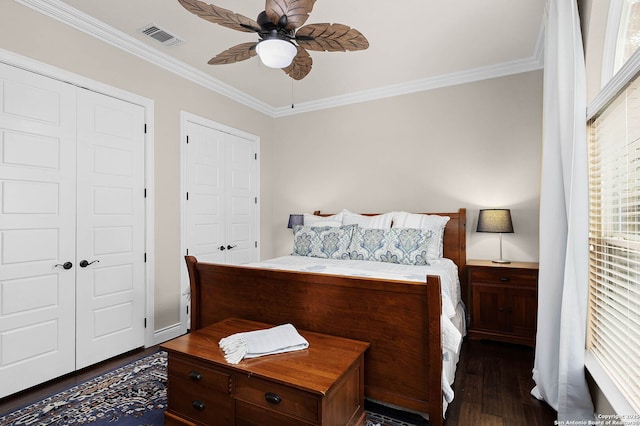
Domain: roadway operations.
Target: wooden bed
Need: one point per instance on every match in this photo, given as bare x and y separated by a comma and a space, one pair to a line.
401, 320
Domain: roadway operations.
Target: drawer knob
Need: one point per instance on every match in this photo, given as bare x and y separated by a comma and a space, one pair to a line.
198, 405
505, 279
194, 375
272, 398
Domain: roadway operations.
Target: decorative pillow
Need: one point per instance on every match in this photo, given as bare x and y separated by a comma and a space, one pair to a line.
315, 220
381, 221
327, 242
431, 222
406, 246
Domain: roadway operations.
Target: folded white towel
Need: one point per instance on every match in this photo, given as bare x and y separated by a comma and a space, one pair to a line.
251, 344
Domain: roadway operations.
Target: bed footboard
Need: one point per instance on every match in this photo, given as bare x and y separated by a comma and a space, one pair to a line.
400, 320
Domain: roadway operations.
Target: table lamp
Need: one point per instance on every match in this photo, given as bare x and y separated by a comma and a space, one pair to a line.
497, 221
295, 219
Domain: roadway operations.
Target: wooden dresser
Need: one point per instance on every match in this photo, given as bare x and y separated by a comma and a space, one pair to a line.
322, 385
504, 301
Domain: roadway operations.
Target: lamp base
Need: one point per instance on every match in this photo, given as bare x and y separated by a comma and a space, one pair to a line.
503, 261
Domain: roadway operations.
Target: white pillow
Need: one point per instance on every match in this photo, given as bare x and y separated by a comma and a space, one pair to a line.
315, 220
431, 222
381, 221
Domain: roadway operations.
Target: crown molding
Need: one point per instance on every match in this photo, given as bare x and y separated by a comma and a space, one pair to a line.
453, 79
87, 24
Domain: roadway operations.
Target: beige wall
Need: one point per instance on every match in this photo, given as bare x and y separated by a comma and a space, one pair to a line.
31, 34
475, 145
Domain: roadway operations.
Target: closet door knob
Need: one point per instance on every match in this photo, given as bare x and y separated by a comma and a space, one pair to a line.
221, 248
229, 247
85, 263
65, 265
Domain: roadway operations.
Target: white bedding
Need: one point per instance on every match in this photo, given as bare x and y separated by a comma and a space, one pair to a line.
453, 316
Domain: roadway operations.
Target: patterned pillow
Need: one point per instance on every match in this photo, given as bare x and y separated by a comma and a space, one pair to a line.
431, 222
406, 246
327, 242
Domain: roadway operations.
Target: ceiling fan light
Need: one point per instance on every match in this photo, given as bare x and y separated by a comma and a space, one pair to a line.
276, 53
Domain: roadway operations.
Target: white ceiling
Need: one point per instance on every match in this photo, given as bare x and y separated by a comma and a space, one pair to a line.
414, 45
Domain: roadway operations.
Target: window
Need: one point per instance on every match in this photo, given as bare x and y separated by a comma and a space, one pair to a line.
628, 37
614, 236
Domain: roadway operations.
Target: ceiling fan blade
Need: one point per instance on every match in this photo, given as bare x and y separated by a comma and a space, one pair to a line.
296, 11
331, 38
300, 66
236, 53
221, 16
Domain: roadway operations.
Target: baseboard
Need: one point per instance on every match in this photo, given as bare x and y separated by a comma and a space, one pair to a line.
168, 333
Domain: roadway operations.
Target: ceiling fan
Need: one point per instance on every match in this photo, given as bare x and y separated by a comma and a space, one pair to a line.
279, 26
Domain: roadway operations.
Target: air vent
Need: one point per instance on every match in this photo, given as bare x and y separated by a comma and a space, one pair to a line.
160, 35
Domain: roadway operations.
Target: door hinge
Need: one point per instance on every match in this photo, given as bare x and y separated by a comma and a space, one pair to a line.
145, 193
145, 128
145, 323
256, 244
255, 156
187, 252
187, 138
187, 196
145, 258
256, 200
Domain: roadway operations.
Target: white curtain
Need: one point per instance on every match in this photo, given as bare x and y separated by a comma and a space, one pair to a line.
563, 282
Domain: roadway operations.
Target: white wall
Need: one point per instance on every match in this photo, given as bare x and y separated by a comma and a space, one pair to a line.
33, 35
475, 145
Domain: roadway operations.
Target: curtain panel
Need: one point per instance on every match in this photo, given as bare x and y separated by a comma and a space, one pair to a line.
559, 371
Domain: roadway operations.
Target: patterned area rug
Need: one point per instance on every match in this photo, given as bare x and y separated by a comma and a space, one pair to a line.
135, 395
132, 395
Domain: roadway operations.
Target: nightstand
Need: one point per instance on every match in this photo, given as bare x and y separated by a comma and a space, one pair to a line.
503, 301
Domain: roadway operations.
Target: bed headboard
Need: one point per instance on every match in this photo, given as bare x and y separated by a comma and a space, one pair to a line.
455, 238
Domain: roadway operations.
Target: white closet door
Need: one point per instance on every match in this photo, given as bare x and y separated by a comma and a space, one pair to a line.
37, 227
221, 185
110, 290
205, 187
240, 200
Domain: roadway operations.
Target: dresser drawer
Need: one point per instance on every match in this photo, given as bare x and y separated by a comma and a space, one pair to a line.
250, 415
198, 403
276, 397
520, 277
199, 374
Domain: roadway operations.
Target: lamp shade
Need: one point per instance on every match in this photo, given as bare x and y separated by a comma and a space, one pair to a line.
276, 53
295, 219
495, 220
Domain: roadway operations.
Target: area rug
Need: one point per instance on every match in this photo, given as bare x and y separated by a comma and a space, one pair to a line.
135, 395
132, 395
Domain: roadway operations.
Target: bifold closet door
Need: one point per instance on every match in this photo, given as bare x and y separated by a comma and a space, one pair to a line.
71, 228
37, 229
221, 208
110, 309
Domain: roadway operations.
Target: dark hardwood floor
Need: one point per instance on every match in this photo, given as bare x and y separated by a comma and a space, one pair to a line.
492, 386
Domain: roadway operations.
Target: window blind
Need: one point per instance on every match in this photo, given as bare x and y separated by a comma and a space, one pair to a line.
614, 237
